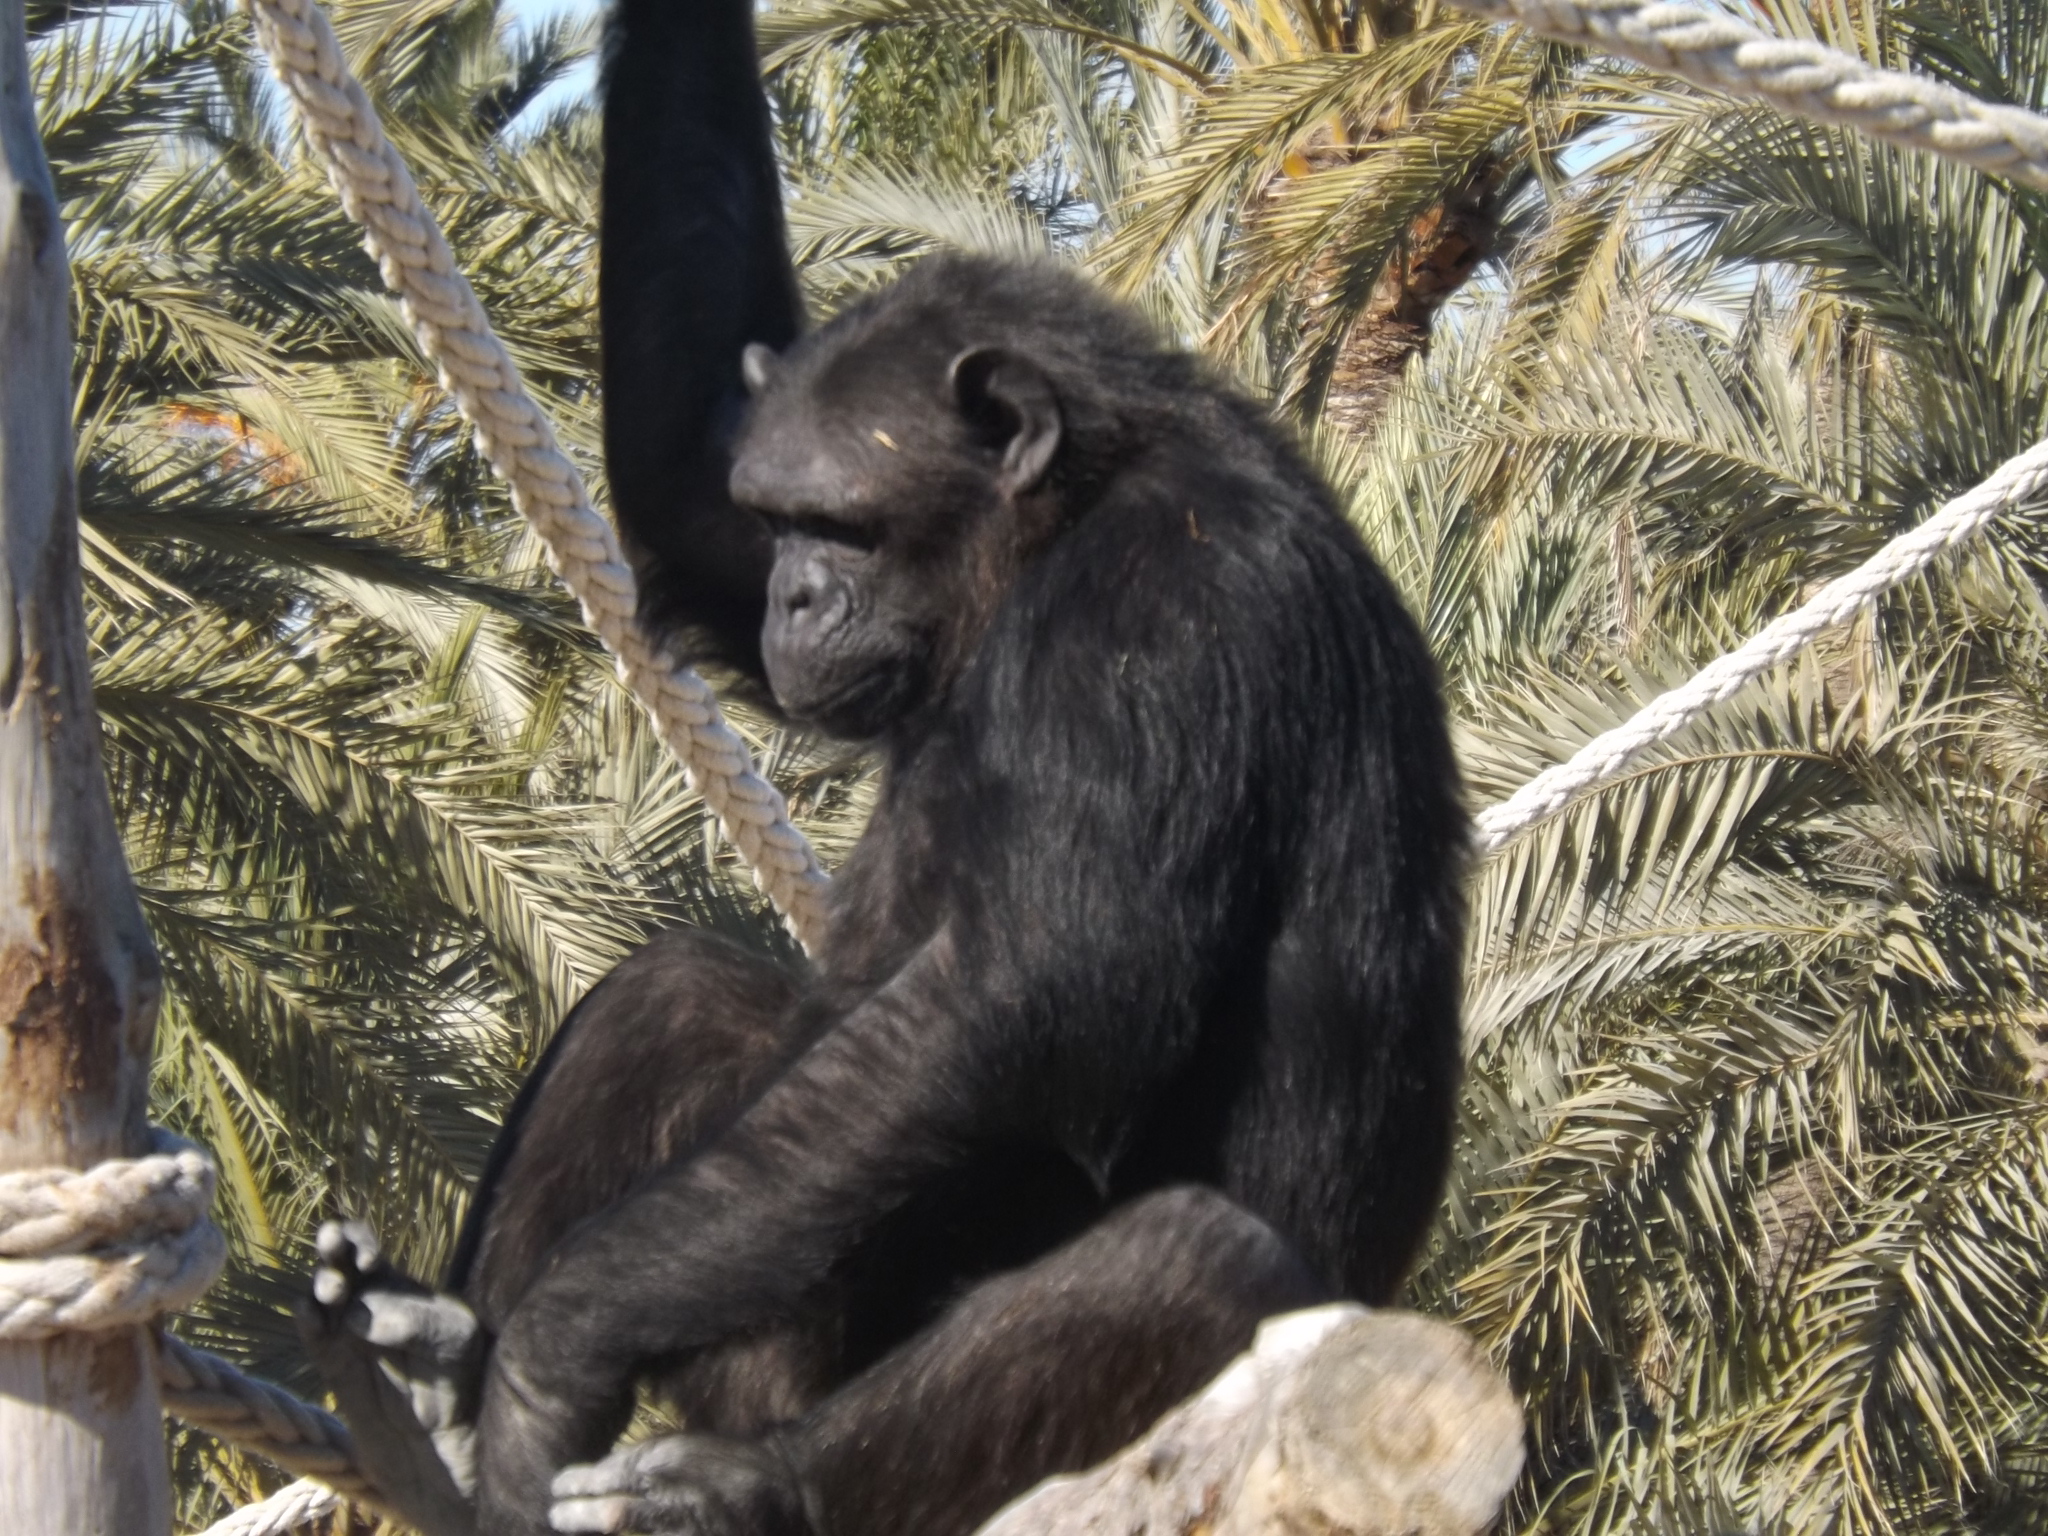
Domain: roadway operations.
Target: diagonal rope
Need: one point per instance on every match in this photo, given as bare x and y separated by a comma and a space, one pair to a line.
224, 1400
515, 435
2020, 481
1804, 79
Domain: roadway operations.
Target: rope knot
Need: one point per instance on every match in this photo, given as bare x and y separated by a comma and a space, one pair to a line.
107, 1247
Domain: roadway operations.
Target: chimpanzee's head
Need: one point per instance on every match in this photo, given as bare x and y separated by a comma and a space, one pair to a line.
900, 463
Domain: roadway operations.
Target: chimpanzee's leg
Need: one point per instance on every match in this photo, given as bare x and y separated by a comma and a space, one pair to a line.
1050, 1368
657, 1055
646, 1068
1047, 1369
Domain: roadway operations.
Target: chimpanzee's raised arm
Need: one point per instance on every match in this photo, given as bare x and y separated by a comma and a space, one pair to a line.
693, 268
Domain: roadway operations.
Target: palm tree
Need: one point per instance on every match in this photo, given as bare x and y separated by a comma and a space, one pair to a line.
1755, 1176
1753, 1183
1301, 186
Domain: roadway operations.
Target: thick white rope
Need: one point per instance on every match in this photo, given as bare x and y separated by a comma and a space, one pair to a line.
1810, 80
120, 1244
112, 1247
453, 331
292, 1506
219, 1397
1805, 79
2019, 482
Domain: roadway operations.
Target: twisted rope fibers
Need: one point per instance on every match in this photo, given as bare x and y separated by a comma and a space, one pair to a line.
516, 437
118, 1245
2020, 481
111, 1247
292, 1506
203, 1389
1804, 79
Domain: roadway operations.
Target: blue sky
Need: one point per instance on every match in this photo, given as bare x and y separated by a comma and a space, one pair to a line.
526, 13
531, 10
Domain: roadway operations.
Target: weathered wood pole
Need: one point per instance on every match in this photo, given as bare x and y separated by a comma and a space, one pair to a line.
81, 1435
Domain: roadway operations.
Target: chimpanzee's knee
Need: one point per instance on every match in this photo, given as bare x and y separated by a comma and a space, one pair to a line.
1211, 1264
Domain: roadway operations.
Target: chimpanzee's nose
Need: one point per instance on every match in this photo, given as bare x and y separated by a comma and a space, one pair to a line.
804, 592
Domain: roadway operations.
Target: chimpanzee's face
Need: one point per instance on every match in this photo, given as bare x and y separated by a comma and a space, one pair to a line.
888, 467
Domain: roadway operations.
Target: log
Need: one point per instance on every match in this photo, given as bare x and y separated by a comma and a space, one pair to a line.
81, 1435
1337, 1422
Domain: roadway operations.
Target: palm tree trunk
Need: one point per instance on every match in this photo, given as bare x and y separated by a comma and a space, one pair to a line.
81, 1433
1443, 249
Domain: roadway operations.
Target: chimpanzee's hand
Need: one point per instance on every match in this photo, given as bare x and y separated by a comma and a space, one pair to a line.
403, 1363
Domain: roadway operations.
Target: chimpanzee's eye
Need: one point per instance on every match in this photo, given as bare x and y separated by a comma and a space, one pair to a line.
826, 530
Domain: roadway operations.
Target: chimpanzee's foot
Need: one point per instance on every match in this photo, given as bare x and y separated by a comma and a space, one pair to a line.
404, 1364
683, 1485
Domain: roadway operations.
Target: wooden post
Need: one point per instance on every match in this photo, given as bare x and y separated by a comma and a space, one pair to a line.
81, 1435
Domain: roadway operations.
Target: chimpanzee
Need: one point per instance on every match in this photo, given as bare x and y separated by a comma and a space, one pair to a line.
1136, 1017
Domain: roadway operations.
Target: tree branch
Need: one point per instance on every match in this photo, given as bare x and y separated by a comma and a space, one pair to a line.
1338, 1419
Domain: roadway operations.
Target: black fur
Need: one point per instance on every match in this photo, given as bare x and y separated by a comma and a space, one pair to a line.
692, 265
1137, 1015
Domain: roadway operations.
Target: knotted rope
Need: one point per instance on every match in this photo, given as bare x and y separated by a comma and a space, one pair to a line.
119, 1245
516, 437
112, 1247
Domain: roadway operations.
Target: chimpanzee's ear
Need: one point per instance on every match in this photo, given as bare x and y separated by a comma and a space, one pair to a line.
1011, 405
757, 366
